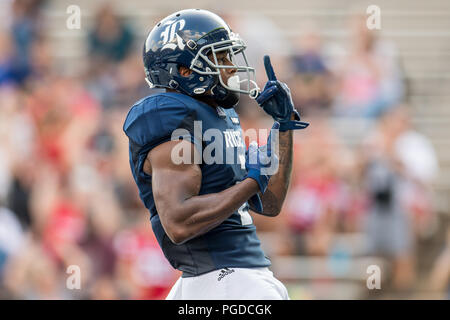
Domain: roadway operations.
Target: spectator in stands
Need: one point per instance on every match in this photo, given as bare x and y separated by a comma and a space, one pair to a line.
400, 165
111, 40
369, 78
251, 26
142, 271
113, 76
418, 159
313, 203
129, 84
312, 81
32, 274
23, 31
17, 133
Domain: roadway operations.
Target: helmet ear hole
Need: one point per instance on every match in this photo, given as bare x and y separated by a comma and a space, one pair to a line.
184, 71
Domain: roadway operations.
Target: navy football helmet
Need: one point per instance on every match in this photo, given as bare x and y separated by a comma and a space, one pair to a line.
186, 38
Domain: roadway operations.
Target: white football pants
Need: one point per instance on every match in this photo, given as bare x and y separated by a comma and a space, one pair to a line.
229, 284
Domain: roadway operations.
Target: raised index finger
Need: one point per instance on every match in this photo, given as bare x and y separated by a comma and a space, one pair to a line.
269, 69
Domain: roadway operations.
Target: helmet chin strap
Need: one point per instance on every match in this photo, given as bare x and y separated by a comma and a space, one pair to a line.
224, 97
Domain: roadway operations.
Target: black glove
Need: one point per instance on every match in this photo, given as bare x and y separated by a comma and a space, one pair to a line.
276, 101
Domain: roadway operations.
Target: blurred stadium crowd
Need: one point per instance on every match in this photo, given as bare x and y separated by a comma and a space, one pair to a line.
67, 196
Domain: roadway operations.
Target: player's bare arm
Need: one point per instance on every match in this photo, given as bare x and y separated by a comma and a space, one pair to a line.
275, 194
183, 213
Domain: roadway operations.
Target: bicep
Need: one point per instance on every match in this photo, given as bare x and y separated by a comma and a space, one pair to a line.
173, 182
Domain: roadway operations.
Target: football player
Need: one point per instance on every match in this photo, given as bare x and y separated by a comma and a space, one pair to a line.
199, 209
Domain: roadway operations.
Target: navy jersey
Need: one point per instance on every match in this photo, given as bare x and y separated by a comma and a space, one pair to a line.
152, 121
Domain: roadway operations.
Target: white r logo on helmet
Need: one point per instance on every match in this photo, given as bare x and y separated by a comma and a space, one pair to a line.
170, 33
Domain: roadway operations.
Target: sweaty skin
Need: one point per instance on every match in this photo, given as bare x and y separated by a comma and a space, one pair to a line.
183, 213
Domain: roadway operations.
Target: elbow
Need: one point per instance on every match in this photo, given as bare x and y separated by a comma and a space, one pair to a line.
176, 234
267, 211
276, 213
272, 211
174, 228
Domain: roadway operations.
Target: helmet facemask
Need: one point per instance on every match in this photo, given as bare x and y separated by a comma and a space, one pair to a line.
235, 47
